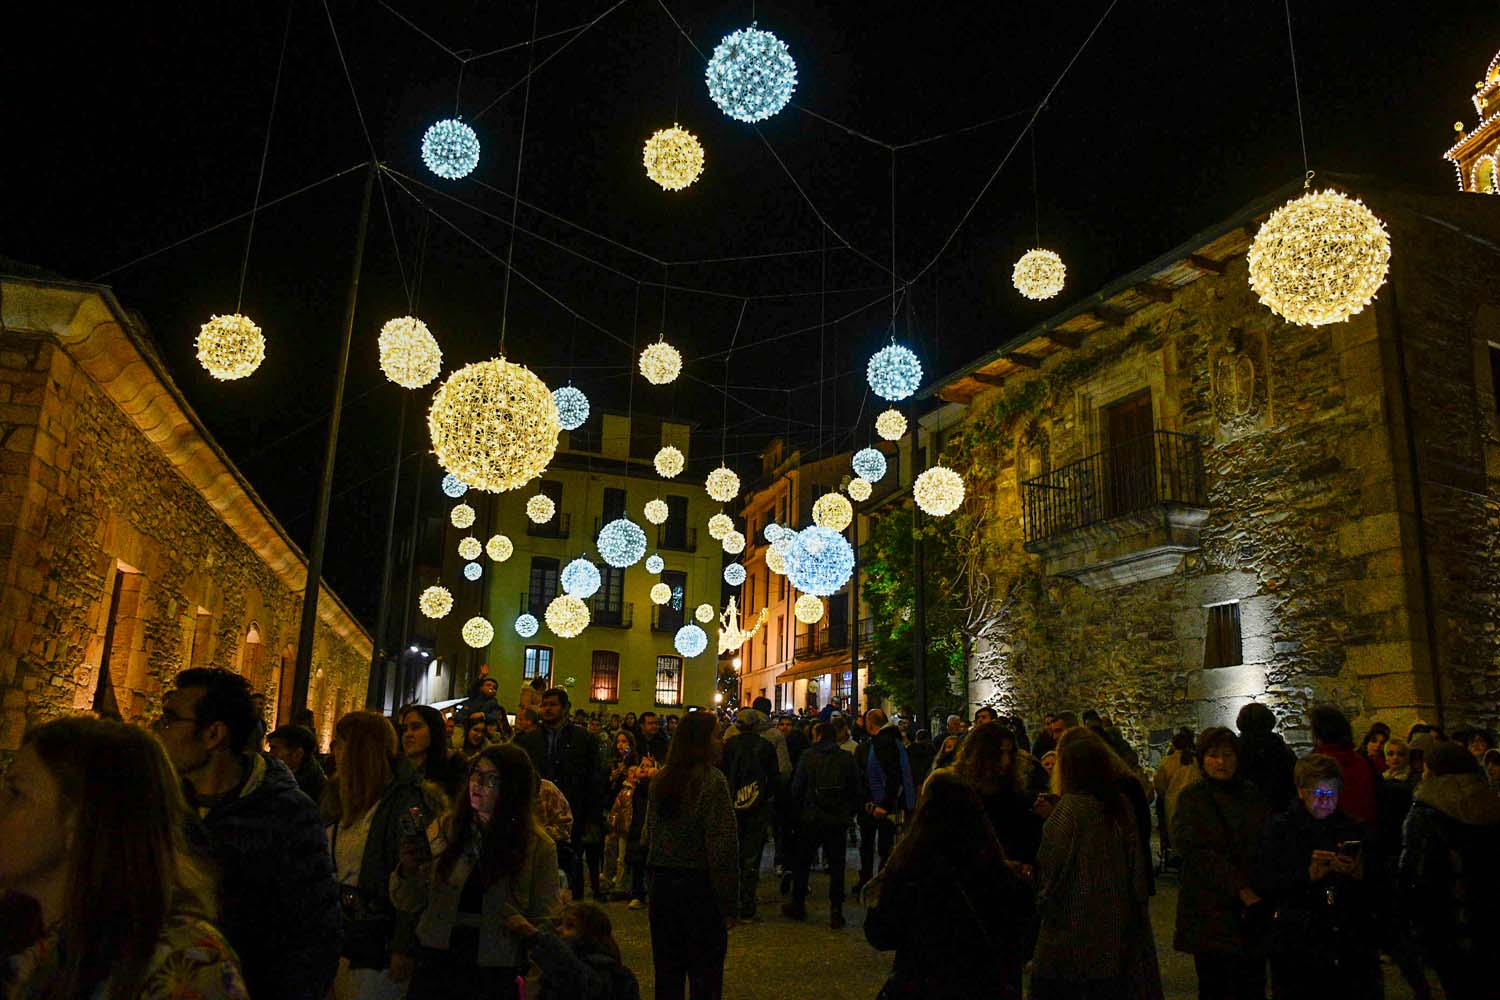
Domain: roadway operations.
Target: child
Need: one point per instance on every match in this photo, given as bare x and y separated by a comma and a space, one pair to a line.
635, 851
581, 961
617, 823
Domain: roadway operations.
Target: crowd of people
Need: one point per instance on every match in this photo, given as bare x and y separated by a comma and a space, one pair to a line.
476, 853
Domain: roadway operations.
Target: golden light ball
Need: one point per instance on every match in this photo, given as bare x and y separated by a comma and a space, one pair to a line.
661, 363
540, 508
891, 425
494, 425
230, 347
499, 548
660, 593
673, 157
669, 462
733, 542
1319, 258
656, 511
860, 489
775, 561
409, 353
1039, 274
833, 511
938, 491
722, 484
704, 613
469, 547
720, 525
462, 516
478, 633
435, 602
808, 609
567, 616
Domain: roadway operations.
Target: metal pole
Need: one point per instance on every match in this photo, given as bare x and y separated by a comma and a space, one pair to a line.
411, 557
919, 610
303, 672
375, 689
854, 623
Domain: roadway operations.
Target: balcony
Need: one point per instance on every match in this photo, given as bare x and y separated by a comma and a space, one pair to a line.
665, 618
1124, 515
610, 614
676, 538
535, 603
826, 638
558, 527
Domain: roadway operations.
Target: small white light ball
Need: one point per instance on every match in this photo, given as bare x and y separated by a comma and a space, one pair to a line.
860, 489
435, 602
704, 613
567, 616
808, 609
720, 525
751, 75
581, 579
939, 491
409, 354
454, 487
869, 463
572, 407
450, 149
1039, 274
690, 641
472, 571
478, 633
723, 485
733, 543
660, 593
833, 511
230, 347
894, 373
656, 511
669, 462
891, 425
621, 543
660, 363
469, 547
540, 508
734, 574
499, 548
820, 562
462, 516
527, 625
654, 564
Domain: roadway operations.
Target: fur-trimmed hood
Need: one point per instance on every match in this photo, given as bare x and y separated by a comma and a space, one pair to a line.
1466, 798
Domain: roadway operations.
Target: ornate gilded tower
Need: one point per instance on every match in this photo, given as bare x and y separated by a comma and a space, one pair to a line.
1475, 154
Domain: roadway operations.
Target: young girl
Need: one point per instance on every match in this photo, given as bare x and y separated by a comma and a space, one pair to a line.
581, 961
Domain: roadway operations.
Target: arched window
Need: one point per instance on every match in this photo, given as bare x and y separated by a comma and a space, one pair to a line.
253, 657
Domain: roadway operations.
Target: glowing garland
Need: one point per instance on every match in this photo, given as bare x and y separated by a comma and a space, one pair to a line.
819, 562
499, 548
669, 462
808, 609
469, 547
720, 525
454, 487
1039, 274
473, 571
450, 149
869, 463
690, 641
572, 407
751, 75
567, 616
478, 633
704, 613
409, 354
462, 516
527, 625
540, 508
621, 543
733, 543
230, 347
722, 484
673, 157
894, 373
660, 593
1319, 258
494, 425
891, 425
939, 491
860, 489
435, 602
734, 574
654, 564
656, 511
581, 579
833, 511
660, 363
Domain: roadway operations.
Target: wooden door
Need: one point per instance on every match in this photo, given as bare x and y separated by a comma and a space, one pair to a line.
1130, 454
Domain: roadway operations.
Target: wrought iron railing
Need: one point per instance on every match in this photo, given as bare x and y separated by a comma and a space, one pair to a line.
534, 602
665, 618
827, 637
675, 538
1163, 467
559, 527
611, 613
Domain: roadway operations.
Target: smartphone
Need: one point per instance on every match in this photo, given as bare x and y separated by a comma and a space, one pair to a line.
1350, 849
414, 829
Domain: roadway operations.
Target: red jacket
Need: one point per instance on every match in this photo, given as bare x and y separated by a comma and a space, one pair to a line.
1358, 797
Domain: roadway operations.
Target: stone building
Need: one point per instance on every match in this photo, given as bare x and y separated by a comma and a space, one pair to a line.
130, 546
1183, 503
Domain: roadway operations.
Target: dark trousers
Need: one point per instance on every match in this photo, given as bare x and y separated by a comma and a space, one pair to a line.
570, 860
754, 826
1079, 989
872, 830
688, 937
1317, 976
1462, 974
785, 820
593, 853
1230, 977
440, 976
831, 839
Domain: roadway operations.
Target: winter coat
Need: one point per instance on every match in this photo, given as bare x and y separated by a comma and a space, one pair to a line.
797, 743
1358, 797
1450, 863
888, 782
699, 836
825, 789
761, 724
1328, 921
278, 899
311, 779
1267, 762
575, 765
751, 759
1217, 831
655, 746
581, 972
921, 754
1016, 824
477, 702
1172, 775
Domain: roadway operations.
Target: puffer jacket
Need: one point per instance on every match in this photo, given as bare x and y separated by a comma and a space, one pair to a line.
1450, 863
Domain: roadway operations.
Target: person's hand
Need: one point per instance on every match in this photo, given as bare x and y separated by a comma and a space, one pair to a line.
1321, 864
520, 926
1345, 865
1248, 896
411, 858
402, 966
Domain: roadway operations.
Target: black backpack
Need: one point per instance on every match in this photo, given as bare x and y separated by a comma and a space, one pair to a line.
748, 780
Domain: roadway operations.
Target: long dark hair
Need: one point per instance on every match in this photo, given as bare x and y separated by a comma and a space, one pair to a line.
596, 927
980, 761
508, 838
689, 756
127, 869
1087, 766
950, 823
631, 758
436, 758
469, 727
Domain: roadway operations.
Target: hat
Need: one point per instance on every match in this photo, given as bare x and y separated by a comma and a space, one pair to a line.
749, 718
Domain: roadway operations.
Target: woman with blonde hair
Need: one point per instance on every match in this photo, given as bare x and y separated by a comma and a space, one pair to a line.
91, 815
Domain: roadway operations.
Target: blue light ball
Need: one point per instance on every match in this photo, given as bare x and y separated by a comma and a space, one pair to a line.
894, 373
734, 574
819, 562
869, 464
450, 149
690, 641
473, 571
580, 578
751, 75
454, 487
526, 626
655, 564
572, 407
621, 543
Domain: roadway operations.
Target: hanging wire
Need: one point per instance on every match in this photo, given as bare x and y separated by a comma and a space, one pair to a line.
536, 8
1036, 197
458, 92
724, 419
530, 69
265, 153
1297, 90
893, 246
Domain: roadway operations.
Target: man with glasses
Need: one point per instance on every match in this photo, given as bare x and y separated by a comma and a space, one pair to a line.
566, 755
278, 902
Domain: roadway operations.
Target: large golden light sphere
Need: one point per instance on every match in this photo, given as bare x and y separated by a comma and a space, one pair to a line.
673, 157
891, 425
1039, 274
720, 525
859, 489
435, 602
478, 633
469, 547
540, 508
938, 491
409, 354
462, 516
660, 593
567, 616
704, 613
733, 542
833, 511
499, 548
230, 347
669, 462
775, 561
1319, 258
661, 363
808, 609
494, 425
723, 485
656, 511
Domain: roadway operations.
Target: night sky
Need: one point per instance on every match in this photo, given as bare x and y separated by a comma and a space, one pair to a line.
133, 126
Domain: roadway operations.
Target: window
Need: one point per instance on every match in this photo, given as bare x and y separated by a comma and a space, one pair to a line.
538, 663
749, 598
843, 687
203, 639
608, 604
673, 615
781, 638
250, 666
1222, 646
614, 504
604, 682
765, 656
1495, 374
780, 586
543, 586
673, 534
668, 681
119, 638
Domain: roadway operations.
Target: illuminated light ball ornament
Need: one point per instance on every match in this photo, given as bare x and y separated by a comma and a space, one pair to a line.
938, 491
820, 562
1039, 274
722, 484
859, 489
891, 425
527, 625
478, 633
772, 531
499, 548
869, 463
660, 593
654, 564
733, 543
660, 363
580, 578
808, 609
720, 525
690, 641
473, 571
751, 75
540, 508
894, 373
454, 487
572, 407
1319, 258
704, 613
783, 545
775, 561
409, 353
734, 574
621, 542
567, 616
669, 462
493, 425
462, 516
230, 347
833, 511
656, 511
435, 602
469, 547
673, 157
450, 149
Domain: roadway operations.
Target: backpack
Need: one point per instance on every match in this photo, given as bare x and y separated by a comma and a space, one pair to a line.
747, 777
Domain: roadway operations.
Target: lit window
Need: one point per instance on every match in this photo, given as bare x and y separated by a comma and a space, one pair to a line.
668, 681
604, 684
538, 663
1222, 646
